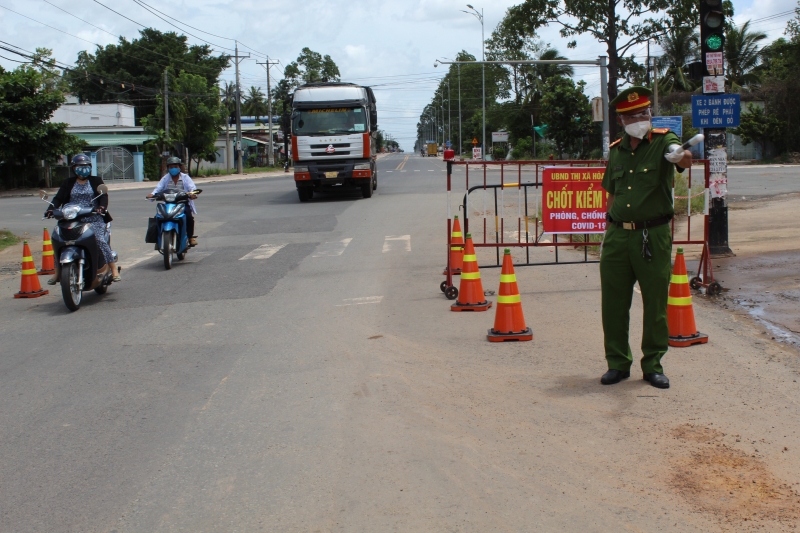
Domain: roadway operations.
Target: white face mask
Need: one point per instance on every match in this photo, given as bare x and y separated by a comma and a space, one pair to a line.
638, 129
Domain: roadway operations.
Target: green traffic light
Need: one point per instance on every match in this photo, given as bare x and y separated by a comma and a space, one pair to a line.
714, 42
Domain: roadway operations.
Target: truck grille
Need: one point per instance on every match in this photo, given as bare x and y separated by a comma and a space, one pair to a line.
326, 154
323, 146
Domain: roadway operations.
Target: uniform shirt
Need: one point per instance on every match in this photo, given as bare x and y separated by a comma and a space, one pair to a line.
641, 179
167, 183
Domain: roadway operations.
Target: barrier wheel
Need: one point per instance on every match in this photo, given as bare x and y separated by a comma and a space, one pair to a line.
714, 289
443, 286
696, 282
451, 293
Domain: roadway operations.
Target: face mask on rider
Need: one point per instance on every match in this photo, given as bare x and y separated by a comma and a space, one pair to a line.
83, 171
638, 129
174, 171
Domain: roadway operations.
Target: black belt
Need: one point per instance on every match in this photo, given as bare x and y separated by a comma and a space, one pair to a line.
642, 224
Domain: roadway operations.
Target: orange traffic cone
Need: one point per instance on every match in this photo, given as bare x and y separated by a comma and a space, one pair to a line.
456, 249
30, 281
509, 322
470, 292
680, 315
48, 261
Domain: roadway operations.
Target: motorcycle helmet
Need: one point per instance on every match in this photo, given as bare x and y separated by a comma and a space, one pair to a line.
174, 161
81, 165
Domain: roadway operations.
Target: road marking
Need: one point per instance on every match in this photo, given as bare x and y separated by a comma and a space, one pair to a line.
388, 242
402, 164
265, 251
361, 301
332, 249
389, 171
133, 262
406, 171
431, 170
416, 171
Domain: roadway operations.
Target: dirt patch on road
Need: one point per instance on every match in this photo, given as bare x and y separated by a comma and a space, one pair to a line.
735, 487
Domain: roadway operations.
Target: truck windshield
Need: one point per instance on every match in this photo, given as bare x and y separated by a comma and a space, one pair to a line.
329, 121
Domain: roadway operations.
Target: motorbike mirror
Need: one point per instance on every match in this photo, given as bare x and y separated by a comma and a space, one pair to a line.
102, 189
43, 195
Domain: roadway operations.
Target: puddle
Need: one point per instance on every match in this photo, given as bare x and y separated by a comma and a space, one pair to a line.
767, 287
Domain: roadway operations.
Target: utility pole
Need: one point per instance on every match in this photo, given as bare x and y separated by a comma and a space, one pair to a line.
166, 121
267, 64
460, 140
239, 144
227, 132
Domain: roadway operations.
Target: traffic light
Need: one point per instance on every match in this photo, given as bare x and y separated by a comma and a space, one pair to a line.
712, 35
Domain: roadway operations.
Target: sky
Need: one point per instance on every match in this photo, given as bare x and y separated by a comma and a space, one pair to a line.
391, 46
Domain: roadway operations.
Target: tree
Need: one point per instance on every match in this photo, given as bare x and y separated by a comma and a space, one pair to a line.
681, 46
758, 127
28, 98
511, 41
195, 114
255, 104
567, 112
743, 54
311, 67
618, 25
133, 71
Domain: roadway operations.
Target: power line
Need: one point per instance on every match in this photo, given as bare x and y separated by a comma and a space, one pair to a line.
153, 10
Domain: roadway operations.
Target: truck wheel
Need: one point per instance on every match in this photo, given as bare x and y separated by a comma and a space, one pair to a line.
305, 193
375, 182
366, 190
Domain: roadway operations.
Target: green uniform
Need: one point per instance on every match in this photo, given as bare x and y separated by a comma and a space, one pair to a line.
641, 182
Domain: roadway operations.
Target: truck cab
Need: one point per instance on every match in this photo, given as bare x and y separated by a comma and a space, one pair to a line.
334, 138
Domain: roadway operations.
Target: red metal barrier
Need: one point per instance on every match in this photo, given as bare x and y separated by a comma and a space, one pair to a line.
494, 175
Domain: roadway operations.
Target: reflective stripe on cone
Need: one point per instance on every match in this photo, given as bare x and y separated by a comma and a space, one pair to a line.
456, 249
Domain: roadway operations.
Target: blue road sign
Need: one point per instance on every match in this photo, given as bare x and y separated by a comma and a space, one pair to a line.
447, 144
716, 111
675, 124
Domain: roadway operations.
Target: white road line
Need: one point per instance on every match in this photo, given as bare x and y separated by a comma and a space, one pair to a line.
405, 171
193, 257
332, 249
361, 301
134, 262
265, 251
389, 171
431, 170
416, 171
390, 240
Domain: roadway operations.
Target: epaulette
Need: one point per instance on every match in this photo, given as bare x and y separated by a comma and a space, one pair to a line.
660, 131
612, 145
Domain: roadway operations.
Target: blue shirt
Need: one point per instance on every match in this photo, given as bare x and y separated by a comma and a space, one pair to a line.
167, 183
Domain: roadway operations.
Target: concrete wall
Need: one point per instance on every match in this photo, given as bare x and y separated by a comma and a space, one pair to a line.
96, 115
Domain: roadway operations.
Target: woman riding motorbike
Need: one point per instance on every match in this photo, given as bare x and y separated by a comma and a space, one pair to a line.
80, 189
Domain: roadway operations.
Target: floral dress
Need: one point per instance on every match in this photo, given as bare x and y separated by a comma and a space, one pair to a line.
82, 195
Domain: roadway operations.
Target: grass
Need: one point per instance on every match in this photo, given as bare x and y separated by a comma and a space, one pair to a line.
247, 170
7, 239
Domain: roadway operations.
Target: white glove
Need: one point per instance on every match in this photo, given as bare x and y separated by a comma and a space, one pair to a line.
675, 153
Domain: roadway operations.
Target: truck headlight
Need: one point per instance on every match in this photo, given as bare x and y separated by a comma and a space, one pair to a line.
300, 168
362, 166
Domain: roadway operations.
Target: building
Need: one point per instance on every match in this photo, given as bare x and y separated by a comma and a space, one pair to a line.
115, 141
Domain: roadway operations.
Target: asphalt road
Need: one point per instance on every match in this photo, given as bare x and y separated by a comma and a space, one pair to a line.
759, 181
301, 371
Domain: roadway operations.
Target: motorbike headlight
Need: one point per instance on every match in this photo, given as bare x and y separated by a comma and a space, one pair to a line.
361, 166
70, 211
170, 197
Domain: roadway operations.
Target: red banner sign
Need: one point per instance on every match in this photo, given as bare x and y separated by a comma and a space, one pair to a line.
573, 200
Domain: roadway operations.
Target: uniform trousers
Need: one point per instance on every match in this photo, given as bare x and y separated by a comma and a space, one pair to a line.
621, 266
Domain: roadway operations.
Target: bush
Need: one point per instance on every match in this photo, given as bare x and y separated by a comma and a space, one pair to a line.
523, 149
681, 189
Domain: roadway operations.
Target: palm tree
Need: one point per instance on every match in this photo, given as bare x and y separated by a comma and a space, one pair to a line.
743, 54
681, 46
255, 103
536, 79
228, 94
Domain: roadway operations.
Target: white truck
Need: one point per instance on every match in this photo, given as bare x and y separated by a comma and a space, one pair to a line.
334, 138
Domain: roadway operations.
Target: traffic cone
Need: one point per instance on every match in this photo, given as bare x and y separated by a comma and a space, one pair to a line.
30, 287
509, 322
48, 261
456, 249
470, 292
680, 315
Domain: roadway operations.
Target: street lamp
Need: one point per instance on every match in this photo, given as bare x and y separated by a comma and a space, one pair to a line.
479, 16
458, 66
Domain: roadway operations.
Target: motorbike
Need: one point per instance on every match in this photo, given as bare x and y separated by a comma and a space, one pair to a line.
78, 254
171, 235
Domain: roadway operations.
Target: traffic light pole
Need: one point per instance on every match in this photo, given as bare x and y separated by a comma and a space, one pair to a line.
712, 49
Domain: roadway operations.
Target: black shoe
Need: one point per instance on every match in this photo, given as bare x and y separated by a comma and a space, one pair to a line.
614, 376
657, 380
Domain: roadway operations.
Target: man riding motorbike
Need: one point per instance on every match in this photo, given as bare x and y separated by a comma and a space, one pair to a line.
175, 179
81, 188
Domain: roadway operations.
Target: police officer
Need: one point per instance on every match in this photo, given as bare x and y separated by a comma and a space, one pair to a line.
638, 242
